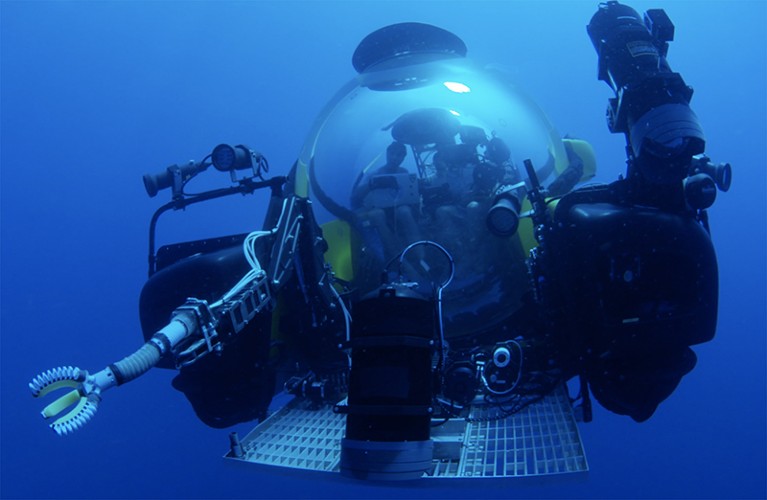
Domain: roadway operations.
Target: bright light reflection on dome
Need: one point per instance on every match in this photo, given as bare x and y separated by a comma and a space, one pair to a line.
458, 88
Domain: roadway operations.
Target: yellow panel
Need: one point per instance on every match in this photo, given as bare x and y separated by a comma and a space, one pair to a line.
338, 235
586, 152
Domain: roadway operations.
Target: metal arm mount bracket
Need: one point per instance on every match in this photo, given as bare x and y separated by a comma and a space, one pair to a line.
287, 240
230, 319
206, 325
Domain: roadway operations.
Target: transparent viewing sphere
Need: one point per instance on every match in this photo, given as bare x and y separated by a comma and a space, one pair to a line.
415, 148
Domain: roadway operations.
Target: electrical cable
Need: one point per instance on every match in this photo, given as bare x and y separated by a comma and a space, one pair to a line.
249, 250
439, 288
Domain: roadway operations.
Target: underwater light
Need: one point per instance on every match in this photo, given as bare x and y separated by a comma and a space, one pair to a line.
458, 88
503, 217
227, 158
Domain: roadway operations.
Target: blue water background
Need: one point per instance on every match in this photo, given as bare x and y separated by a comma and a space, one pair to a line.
95, 94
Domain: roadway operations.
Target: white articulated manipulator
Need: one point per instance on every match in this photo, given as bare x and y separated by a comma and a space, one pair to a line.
87, 388
191, 334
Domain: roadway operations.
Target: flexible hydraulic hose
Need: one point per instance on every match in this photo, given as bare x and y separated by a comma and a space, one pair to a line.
138, 363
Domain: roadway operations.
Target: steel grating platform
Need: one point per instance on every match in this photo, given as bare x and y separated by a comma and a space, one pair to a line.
541, 440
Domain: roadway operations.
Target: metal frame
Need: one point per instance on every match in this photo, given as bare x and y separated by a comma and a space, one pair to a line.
540, 440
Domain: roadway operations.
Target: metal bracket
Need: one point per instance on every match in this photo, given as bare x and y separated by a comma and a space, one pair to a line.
244, 306
290, 225
206, 325
233, 317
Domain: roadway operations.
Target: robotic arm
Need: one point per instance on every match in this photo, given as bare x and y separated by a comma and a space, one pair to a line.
200, 325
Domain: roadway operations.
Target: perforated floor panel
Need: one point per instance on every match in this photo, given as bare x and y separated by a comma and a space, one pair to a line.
540, 440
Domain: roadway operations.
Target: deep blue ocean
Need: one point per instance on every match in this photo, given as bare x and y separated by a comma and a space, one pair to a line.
96, 94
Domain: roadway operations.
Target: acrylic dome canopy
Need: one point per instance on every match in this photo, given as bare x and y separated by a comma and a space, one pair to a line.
416, 87
352, 132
